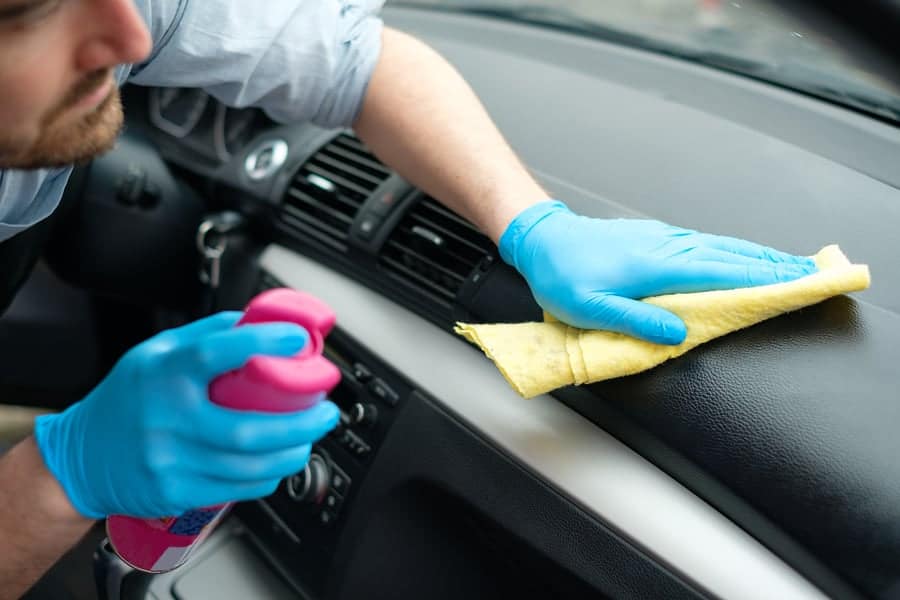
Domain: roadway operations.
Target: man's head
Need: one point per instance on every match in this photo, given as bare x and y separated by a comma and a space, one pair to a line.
58, 101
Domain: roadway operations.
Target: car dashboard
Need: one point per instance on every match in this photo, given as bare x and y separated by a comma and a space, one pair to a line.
761, 464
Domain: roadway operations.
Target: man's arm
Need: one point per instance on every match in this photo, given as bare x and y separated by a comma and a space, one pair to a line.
37, 522
423, 119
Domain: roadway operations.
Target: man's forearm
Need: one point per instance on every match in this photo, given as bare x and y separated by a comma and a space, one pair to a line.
421, 118
37, 522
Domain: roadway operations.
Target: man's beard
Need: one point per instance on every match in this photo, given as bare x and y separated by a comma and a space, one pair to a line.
65, 143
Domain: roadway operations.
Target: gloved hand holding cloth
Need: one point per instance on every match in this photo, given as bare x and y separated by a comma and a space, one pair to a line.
630, 294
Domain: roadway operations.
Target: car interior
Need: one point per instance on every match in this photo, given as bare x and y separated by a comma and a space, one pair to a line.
760, 465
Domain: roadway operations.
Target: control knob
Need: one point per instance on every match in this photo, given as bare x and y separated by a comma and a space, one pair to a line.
364, 414
311, 484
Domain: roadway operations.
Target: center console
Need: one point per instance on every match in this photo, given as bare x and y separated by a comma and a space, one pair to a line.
302, 520
295, 531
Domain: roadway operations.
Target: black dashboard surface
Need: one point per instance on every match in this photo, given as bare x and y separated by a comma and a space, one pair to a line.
789, 428
796, 417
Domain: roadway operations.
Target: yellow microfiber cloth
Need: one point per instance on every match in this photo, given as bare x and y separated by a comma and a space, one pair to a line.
537, 358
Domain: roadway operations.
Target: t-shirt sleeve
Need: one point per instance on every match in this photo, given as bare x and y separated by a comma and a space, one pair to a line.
299, 60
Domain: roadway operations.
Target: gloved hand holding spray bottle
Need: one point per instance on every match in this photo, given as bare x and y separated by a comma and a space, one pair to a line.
148, 441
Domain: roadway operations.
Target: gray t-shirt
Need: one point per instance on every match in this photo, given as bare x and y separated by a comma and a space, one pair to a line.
299, 60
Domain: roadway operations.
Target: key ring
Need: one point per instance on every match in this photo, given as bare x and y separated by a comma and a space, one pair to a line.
210, 251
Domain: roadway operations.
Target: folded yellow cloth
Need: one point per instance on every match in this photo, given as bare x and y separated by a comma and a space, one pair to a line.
537, 358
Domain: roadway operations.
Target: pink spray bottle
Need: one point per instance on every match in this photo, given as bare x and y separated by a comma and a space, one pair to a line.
264, 383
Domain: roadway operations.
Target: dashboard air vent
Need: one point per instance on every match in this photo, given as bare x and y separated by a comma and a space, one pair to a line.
328, 190
434, 250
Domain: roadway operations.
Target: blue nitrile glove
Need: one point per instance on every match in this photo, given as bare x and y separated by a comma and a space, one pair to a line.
586, 272
147, 442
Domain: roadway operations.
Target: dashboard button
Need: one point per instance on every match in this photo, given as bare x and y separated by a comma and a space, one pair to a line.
361, 449
368, 226
486, 263
384, 392
354, 444
346, 438
340, 482
385, 204
333, 502
362, 373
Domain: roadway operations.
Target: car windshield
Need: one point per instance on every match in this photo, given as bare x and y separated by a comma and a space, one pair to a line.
744, 36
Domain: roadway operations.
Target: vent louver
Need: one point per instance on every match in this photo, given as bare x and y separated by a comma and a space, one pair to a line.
435, 250
329, 189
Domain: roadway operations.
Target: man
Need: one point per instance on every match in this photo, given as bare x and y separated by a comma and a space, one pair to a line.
147, 442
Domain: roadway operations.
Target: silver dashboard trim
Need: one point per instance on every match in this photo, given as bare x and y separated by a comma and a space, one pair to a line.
566, 450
